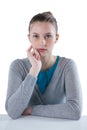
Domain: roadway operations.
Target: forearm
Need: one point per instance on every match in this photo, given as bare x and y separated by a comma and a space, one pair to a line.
63, 111
17, 102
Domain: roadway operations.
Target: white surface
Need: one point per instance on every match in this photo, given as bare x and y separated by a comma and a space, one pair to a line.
41, 123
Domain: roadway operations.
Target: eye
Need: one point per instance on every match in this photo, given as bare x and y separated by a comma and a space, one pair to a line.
35, 36
48, 36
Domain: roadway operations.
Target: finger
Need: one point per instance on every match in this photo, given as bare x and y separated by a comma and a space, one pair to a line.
37, 55
32, 52
29, 49
36, 52
27, 112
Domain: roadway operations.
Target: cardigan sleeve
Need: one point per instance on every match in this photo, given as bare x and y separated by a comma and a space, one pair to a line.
19, 90
72, 108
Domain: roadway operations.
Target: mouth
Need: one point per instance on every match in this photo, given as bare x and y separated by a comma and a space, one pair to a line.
42, 49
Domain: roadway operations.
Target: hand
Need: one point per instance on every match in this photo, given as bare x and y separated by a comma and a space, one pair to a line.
34, 58
27, 111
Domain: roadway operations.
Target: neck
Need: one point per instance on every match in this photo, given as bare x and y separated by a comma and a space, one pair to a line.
47, 62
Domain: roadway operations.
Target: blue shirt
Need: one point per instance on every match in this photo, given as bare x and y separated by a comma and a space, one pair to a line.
44, 77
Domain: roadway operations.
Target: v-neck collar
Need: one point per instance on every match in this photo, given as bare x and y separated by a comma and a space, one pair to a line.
42, 96
46, 76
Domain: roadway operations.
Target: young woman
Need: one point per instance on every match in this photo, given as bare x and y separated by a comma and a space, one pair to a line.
43, 84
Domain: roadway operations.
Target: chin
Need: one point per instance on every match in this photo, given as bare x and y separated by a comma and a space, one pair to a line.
42, 54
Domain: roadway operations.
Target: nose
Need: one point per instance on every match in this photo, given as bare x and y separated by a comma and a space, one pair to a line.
43, 41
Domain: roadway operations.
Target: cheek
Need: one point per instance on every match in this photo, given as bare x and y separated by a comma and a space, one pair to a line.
50, 44
34, 45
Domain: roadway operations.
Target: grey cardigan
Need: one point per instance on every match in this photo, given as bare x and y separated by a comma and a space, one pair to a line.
62, 98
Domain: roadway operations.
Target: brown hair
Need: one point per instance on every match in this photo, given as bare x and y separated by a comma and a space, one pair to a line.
44, 17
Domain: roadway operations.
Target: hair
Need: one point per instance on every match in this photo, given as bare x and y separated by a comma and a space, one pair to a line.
44, 17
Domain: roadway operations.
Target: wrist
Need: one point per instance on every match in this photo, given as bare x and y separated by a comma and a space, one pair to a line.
34, 72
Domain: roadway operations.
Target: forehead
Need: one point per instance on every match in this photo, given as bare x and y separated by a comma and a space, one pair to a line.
42, 27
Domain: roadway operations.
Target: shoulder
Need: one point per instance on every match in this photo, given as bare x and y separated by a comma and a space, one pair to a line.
67, 64
20, 63
65, 60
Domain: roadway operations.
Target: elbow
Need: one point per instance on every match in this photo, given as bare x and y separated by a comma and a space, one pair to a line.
12, 114
75, 111
76, 114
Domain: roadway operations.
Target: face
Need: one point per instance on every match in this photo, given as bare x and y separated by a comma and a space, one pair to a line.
43, 37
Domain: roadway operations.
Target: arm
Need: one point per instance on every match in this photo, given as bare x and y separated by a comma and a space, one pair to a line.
19, 90
72, 108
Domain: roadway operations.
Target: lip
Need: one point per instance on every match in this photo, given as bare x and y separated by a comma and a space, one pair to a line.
42, 49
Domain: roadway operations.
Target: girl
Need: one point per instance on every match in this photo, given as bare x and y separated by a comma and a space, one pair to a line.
43, 84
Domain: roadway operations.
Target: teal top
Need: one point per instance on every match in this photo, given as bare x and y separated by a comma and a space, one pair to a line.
44, 77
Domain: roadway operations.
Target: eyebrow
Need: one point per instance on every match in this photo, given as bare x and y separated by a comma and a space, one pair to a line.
45, 33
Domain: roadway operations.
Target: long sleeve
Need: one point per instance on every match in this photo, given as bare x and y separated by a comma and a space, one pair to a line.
19, 90
72, 108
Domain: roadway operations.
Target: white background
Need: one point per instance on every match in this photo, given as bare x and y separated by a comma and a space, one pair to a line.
72, 21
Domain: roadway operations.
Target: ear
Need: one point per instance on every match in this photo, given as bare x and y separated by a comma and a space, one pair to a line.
57, 36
